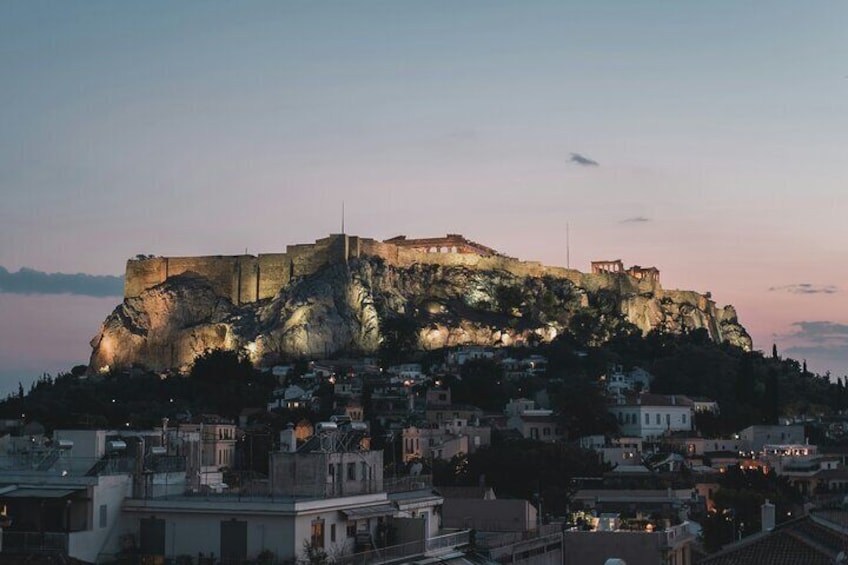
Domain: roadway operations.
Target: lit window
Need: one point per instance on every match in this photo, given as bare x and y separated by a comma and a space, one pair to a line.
318, 533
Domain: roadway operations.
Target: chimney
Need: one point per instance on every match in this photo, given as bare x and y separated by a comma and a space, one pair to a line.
767, 516
288, 441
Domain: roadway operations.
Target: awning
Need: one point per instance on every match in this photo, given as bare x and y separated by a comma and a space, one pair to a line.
369, 511
40, 493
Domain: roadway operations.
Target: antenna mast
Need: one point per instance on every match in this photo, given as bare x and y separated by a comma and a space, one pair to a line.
343, 218
567, 248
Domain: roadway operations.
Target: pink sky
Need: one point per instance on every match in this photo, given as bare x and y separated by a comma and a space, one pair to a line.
720, 133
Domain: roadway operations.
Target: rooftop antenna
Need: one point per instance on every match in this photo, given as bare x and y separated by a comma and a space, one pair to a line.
567, 248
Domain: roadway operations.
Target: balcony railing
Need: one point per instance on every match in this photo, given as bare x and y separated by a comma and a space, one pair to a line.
33, 542
407, 483
430, 547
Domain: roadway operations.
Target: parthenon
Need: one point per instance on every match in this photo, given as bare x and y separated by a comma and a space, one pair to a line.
616, 266
452, 243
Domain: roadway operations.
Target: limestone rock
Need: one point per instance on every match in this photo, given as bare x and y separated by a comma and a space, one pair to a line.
343, 307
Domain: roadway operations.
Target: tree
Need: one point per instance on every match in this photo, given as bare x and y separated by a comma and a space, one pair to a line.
526, 468
582, 406
482, 384
738, 502
771, 410
400, 340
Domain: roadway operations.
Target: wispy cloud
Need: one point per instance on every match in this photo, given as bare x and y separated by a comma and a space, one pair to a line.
806, 288
30, 281
582, 160
824, 342
820, 331
635, 220
464, 134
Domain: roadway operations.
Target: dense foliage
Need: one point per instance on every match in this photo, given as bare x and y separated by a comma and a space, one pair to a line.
220, 382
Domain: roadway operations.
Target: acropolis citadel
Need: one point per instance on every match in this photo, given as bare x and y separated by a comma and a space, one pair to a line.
245, 279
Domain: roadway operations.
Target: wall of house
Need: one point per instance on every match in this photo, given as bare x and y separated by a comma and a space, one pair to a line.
671, 418
499, 515
634, 548
308, 474
192, 533
110, 491
342, 545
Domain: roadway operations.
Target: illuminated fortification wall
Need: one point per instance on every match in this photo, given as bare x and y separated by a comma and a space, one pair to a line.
247, 278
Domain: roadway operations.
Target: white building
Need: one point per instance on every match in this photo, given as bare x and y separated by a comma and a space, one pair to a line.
618, 381
328, 495
444, 440
755, 437
67, 500
651, 416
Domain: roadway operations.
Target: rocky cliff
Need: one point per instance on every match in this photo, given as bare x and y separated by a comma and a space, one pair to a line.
351, 306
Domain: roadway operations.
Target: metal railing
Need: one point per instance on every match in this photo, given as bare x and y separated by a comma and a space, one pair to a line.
407, 483
33, 542
432, 546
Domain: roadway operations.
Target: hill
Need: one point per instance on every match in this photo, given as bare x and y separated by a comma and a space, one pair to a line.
347, 295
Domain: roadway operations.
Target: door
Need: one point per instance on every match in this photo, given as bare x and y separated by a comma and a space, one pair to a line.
152, 536
233, 541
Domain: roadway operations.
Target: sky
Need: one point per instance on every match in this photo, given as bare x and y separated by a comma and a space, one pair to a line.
709, 139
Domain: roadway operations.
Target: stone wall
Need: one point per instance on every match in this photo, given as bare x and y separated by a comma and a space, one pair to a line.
274, 274
244, 279
220, 271
142, 274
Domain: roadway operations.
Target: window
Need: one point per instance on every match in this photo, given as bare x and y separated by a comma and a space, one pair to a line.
318, 533
668, 419
104, 510
351, 471
647, 419
546, 431
332, 533
658, 419
684, 418
351, 529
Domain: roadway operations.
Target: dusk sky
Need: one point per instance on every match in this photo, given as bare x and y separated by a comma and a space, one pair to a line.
709, 139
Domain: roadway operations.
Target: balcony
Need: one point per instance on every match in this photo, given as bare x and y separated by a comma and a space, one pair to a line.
407, 483
29, 543
432, 547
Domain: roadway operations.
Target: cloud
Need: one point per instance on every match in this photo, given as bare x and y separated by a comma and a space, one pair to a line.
30, 281
806, 288
582, 160
635, 220
464, 134
824, 343
820, 331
